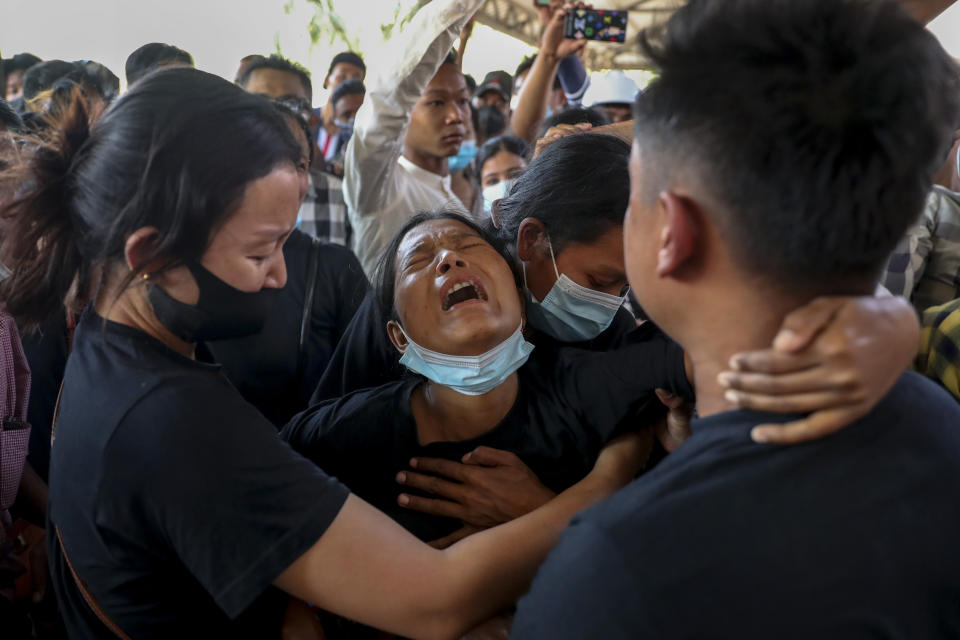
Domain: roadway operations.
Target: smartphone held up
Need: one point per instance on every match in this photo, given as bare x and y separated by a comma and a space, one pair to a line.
602, 25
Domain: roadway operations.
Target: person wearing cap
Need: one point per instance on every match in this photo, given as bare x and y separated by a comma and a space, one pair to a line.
414, 118
344, 67
613, 94
495, 91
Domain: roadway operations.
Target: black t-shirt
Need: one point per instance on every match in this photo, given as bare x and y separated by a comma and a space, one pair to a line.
851, 536
178, 503
264, 367
569, 404
365, 358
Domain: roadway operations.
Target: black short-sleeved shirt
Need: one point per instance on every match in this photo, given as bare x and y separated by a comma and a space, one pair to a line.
178, 503
569, 404
266, 368
851, 536
365, 358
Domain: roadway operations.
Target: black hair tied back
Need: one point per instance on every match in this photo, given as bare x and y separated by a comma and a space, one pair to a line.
39, 245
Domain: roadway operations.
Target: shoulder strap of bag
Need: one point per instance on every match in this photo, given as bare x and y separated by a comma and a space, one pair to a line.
312, 264
87, 596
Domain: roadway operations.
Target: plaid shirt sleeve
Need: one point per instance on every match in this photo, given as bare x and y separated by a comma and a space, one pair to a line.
323, 213
939, 356
909, 260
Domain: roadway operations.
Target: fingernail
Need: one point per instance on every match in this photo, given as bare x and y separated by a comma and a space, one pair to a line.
726, 379
467, 457
784, 339
403, 499
732, 397
735, 363
758, 434
413, 462
401, 477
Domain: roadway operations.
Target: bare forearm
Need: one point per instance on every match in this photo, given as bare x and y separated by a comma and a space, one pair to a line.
367, 568
622, 130
532, 105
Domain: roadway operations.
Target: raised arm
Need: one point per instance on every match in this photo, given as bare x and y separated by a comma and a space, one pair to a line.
533, 97
370, 163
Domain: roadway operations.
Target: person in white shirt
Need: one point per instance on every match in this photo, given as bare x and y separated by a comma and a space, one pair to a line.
413, 119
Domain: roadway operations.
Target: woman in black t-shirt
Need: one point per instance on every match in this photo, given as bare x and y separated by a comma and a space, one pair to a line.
176, 506
456, 313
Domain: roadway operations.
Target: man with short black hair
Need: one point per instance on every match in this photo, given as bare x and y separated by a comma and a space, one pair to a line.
323, 213
154, 55
779, 155
345, 67
277, 370
277, 77
414, 118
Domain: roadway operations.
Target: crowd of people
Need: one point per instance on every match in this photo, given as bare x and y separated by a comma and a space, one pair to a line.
546, 356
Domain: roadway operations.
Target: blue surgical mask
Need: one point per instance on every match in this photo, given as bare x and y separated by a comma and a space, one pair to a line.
571, 312
346, 129
496, 192
469, 375
468, 151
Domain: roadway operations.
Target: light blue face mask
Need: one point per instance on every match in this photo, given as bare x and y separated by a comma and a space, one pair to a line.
496, 192
469, 375
570, 312
468, 151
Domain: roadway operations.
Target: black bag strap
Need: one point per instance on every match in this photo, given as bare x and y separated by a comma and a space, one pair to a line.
312, 263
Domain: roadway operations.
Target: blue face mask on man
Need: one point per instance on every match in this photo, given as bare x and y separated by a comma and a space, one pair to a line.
571, 312
469, 375
468, 151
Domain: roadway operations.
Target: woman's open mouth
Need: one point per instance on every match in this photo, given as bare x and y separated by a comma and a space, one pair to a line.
463, 291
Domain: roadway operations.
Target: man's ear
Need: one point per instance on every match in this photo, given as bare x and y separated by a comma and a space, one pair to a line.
678, 234
140, 248
530, 237
326, 81
397, 337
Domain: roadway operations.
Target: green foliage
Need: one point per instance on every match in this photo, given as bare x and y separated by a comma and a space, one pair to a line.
328, 25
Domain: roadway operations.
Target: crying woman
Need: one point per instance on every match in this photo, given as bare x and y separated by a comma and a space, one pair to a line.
454, 307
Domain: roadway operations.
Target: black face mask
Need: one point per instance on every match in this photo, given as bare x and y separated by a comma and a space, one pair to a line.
221, 312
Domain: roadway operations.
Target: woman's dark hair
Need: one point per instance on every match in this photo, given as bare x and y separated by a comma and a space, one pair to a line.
575, 115
10, 120
510, 144
386, 274
174, 153
578, 188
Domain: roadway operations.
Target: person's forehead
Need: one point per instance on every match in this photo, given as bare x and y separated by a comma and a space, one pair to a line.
276, 83
434, 231
346, 68
503, 160
448, 78
491, 94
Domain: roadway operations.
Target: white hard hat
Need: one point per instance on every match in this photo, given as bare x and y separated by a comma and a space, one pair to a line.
612, 87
